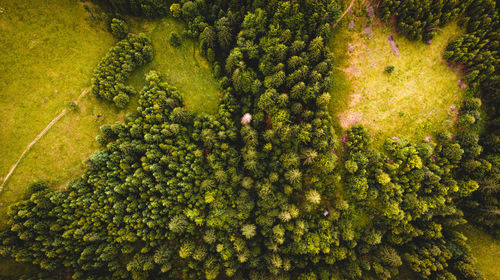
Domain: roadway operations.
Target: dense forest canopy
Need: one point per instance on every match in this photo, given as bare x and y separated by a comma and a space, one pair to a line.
176, 194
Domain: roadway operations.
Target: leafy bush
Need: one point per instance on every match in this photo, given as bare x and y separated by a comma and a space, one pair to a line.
119, 28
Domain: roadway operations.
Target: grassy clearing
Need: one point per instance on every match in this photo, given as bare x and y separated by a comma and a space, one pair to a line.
412, 101
181, 66
49, 64
485, 249
50, 49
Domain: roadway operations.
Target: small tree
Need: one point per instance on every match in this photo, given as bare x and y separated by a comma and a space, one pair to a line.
389, 69
121, 100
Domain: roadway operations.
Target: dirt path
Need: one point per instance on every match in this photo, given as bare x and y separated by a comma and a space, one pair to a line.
344, 13
38, 137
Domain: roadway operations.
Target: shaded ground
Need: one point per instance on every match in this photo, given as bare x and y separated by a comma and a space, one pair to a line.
486, 250
412, 101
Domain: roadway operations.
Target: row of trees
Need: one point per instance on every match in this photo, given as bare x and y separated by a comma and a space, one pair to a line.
421, 19
116, 67
144, 8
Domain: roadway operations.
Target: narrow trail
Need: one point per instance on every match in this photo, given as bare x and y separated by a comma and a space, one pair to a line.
38, 137
344, 13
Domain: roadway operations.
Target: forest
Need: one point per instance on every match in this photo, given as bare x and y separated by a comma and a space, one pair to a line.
269, 187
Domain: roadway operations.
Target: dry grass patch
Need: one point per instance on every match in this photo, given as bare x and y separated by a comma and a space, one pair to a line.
417, 98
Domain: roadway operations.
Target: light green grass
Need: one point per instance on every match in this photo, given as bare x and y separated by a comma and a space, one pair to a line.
49, 64
485, 249
49, 51
411, 102
181, 66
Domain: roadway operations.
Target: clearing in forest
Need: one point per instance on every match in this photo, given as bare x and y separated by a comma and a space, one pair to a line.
50, 63
47, 65
182, 66
419, 97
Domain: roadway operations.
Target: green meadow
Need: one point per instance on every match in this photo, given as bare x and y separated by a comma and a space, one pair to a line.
50, 63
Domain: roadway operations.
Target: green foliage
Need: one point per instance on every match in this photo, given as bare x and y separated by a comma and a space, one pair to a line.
477, 50
175, 194
175, 10
389, 69
418, 19
175, 40
118, 64
72, 106
119, 28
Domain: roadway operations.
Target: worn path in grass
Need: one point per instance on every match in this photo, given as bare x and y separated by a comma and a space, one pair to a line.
38, 137
413, 101
48, 64
49, 51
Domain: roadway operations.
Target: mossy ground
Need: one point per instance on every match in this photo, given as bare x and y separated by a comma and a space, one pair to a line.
413, 101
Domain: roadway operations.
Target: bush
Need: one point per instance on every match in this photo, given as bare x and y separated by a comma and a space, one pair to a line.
121, 100
466, 120
72, 106
119, 28
389, 69
175, 39
175, 10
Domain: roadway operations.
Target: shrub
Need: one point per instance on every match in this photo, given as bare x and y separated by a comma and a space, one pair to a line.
175, 39
119, 28
389, 69
175, 10
121, 100
72, 106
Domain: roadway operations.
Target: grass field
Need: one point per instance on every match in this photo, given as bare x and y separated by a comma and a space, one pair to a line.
49, 51
181, 66
485, 249
410, 102
49, 64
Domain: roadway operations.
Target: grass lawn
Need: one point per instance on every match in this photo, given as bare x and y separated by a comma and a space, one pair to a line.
412, 101
181, 66
485, 249
49, 51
